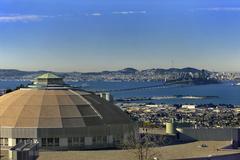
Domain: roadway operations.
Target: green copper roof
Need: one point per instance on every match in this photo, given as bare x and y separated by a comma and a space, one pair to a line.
48, 76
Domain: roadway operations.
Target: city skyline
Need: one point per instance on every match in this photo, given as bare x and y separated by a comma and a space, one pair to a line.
95, 36
115, 69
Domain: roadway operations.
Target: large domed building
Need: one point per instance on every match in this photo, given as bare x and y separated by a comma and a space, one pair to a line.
61, 117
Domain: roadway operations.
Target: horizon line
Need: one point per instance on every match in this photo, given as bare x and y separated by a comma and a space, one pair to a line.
57, 71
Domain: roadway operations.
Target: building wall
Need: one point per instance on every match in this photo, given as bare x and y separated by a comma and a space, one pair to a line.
209, 134
81, 143
18, 132
11, 142
94, 136
69, 132
63, 142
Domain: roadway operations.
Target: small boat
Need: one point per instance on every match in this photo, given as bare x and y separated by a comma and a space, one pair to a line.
237, 84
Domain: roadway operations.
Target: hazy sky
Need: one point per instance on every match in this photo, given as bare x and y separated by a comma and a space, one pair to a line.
94, 35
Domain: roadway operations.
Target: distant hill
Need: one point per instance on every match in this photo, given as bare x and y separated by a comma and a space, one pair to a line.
128, 71
12, 72
173, 70
123, 71
17, 74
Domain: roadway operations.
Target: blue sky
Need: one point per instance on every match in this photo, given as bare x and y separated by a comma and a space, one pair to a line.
95, 35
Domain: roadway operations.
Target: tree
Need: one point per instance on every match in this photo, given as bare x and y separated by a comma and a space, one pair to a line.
20, 86
8, 90
142, 147
11, 90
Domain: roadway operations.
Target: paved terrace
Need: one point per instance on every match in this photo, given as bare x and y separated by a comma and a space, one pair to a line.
179, 151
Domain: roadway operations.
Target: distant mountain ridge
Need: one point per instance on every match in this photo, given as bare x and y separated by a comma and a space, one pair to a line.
123, 74
125, 70
157, 70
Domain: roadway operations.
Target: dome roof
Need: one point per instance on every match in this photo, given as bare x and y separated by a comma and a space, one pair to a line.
57, 108
47, 80
48, 76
